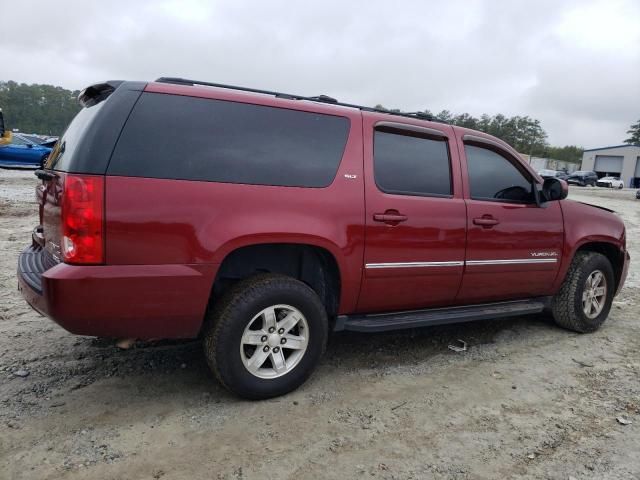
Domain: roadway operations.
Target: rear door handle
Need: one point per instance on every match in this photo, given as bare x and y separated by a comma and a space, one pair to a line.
486, 221
390, 216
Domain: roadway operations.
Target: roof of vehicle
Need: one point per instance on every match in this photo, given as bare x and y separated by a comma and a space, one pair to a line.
290, 96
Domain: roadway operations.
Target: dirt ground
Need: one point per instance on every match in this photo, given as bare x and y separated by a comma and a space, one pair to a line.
527, 400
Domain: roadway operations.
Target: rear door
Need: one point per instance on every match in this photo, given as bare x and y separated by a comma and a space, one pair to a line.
514, 247
415, 216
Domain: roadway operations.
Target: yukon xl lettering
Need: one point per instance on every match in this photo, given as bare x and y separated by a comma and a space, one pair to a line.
261, 221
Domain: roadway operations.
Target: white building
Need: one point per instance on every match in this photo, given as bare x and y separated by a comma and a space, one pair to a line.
620, 161
540, 163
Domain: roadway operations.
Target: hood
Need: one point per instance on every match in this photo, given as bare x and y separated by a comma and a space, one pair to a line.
597, 206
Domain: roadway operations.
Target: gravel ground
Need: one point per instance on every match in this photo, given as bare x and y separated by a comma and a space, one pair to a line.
527, 400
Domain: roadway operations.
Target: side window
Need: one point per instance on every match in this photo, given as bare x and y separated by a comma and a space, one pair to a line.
406, 164
188, 138
493, 177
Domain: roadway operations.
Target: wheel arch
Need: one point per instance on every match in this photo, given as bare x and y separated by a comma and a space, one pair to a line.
310, 263
609, 250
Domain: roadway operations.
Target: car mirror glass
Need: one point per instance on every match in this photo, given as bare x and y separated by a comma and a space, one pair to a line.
555, 189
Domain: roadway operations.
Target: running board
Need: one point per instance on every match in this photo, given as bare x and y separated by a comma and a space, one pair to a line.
381, 322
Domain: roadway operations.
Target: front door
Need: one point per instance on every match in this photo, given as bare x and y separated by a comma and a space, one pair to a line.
415, 216
514, 246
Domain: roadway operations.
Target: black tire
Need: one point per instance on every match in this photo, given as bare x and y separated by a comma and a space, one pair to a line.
227, 321
566, 306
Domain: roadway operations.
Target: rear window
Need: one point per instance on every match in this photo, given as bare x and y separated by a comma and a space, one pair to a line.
179, 137
62, 155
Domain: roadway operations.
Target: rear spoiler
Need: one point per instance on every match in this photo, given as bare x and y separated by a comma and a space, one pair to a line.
94, 94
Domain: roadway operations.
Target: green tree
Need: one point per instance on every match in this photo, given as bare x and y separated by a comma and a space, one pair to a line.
43, 109
568, 153
634, 132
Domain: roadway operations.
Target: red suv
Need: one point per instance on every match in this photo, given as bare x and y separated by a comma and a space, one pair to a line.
260, 221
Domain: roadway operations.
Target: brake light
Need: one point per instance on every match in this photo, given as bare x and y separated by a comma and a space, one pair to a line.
82, 219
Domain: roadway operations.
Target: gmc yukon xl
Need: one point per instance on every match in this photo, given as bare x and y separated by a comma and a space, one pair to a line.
260, 221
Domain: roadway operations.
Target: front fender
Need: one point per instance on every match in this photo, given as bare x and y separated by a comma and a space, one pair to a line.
587, 224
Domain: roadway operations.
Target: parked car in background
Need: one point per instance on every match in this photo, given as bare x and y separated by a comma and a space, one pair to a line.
553, 174
610, 182
638, 194
24, 151
343, 218
582, 178
547, 173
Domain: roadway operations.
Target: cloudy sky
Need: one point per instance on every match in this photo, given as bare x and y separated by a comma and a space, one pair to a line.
573, 64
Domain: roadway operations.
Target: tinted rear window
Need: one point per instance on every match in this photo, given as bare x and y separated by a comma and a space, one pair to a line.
62, 155
171, 136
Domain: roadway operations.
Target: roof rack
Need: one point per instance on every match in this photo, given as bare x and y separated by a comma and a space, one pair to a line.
318, 98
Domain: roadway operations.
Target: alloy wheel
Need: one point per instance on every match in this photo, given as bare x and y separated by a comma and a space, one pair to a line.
274, 341
594, 295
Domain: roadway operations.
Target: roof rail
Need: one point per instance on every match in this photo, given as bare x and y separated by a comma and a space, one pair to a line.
290, 96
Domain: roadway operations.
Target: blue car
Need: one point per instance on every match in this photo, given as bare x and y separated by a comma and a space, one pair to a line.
24, 151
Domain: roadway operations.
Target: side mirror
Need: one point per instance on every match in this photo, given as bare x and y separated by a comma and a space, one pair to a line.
555, 189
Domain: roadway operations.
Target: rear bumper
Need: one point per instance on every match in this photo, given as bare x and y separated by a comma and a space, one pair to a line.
140, 301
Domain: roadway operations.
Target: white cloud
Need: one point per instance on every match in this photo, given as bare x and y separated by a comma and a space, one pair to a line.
575, 65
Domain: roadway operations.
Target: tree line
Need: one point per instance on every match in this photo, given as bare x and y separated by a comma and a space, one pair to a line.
36, 108
525, 134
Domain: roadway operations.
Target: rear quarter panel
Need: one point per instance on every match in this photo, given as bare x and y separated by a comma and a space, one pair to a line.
159, 221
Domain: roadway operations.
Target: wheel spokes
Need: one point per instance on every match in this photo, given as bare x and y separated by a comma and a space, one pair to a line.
288, 322
278, 361
257, 360
274, 341
269, 318
253, 337
596, 279
294, 342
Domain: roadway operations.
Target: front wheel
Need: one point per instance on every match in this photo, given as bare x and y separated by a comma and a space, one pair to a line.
584, 300
266, 336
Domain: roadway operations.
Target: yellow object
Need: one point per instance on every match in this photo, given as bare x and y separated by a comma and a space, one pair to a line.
5, 139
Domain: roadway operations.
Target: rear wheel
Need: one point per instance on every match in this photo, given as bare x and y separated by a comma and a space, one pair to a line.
584, 300
266, 336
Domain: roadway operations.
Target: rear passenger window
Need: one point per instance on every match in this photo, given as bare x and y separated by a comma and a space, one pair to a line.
407, 164
179, 137
493, 177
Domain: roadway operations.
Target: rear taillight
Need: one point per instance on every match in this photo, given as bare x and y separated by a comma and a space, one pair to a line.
82, 219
